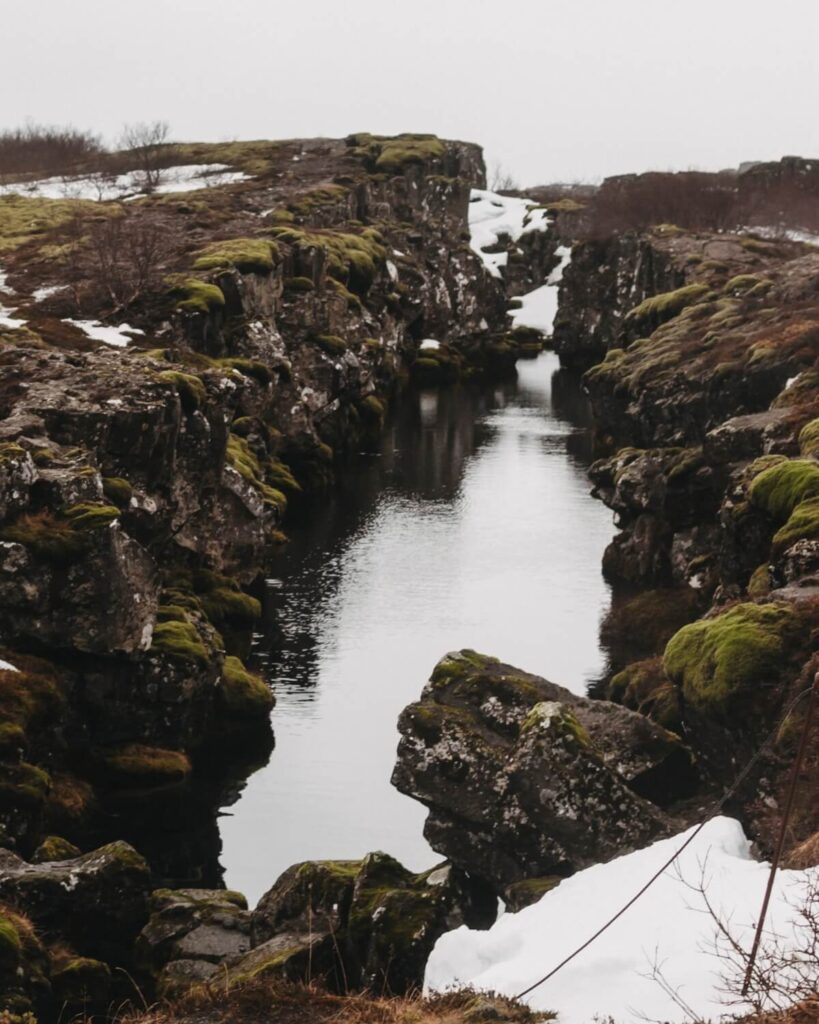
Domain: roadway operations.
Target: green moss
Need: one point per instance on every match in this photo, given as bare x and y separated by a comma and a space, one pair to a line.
281, 476
248, 255
353, 301
24, 784
117, 490
741, 284
298, 284
224, 605
351, 258
809, 438
137, 764
560, 718
460, 664
24, 218
179, 640
198, 296
372, 408
244, 693
665, 306
393, 155
250, 368
282, 216
759, 584
529, 891
778, 489
802, 524
731, 657
60, 538
191, 390
55, 848
331, 344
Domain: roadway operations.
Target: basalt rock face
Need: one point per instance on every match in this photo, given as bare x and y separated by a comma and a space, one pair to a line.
144, 486
705, 396
524, 779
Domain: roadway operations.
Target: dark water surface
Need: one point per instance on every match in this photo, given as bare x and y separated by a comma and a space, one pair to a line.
473, 527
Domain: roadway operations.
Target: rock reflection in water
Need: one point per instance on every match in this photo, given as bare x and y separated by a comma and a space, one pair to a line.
473, 527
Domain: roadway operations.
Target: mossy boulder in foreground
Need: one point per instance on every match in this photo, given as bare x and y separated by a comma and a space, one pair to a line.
524, 779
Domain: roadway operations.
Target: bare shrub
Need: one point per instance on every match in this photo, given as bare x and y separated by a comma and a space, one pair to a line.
46, 150
502, 180
145, 141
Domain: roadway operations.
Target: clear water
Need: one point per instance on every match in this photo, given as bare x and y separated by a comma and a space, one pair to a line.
473, 527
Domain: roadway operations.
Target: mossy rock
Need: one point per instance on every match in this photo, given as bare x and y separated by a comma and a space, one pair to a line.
809, 438
298, 284
24, 785
659, 308
331, 344
180, 640
372, 408
55, 848
802, 524
198, 296
247, 255
393, 155
244, 694
143, 766
644, 686
191, 390
226, 605
249, 368
778, 489
741, 284
117, 490
60, 537
759, 584
733, 658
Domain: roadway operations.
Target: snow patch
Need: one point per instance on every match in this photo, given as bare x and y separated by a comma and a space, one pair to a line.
492, 215
45, 293
6, 666
539, 307
185, 178
430, 345
607, 980
117, 336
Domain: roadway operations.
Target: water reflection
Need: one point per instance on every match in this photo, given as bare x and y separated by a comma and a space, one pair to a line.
472, 527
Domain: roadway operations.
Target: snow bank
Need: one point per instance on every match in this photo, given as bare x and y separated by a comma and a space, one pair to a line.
492, 215
185, 178
430, 345
6, 666
117, 336
667, 924
539, 307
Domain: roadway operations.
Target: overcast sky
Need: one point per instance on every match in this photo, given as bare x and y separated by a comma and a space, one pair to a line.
553, 89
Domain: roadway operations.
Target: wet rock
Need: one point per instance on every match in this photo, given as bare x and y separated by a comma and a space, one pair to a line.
97, 902
524, 779
360, 924
189, 932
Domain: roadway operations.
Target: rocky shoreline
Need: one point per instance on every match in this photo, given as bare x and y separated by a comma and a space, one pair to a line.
143, 489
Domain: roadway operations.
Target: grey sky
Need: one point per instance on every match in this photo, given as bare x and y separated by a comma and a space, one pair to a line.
553, 89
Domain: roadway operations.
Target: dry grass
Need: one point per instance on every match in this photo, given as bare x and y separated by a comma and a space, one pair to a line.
269, 1001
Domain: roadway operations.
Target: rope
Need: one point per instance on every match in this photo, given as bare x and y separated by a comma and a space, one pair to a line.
657, 874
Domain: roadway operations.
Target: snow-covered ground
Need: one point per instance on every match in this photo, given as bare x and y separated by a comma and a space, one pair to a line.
667, 926
792, 234
185, 178
539, 307
117, 336
492, 215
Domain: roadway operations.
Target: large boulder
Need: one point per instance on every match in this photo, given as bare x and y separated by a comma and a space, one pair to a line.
96, 902
359, 924
524, 779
